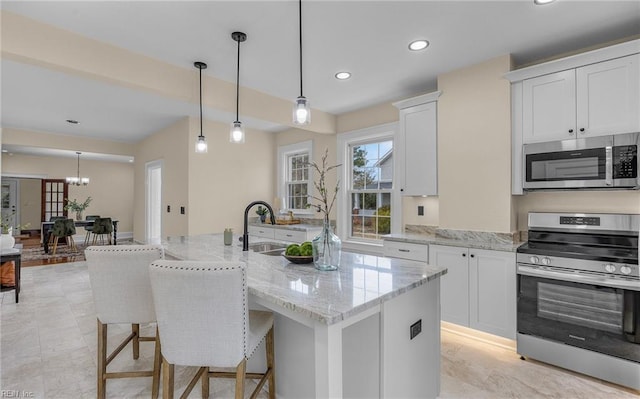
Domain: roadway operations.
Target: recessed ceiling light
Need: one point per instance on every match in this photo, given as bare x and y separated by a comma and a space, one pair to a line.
542, 2
417, 45
72, 121
343, 75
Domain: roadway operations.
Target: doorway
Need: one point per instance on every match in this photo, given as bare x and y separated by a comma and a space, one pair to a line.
10, 210
153, 200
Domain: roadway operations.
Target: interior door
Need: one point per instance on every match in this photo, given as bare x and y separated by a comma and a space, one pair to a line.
10, 211
54, 191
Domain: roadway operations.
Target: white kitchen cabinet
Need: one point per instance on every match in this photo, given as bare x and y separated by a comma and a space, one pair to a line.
262, 232
416, 146
297, 236
479, 289
594, 100
406, 250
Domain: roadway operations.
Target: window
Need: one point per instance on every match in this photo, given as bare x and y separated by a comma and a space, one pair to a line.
369, 207
294, 176
370, 192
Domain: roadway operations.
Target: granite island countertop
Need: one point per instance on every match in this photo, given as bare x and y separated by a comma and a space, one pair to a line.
466, 242
360, 283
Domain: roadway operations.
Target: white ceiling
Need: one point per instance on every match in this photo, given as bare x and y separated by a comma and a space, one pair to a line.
367, 38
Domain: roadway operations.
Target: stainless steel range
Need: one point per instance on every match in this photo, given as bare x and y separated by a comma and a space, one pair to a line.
579, 294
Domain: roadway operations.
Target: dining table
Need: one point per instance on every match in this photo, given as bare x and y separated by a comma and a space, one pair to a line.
46, 228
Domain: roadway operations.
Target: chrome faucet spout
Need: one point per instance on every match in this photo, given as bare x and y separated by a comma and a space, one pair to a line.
245, 235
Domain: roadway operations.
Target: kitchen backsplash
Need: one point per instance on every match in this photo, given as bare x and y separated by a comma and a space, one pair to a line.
484, 236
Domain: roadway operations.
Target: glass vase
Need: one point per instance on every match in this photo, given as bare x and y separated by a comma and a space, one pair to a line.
78, 215
327, 248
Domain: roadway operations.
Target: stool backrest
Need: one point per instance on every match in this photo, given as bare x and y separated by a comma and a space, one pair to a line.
102, 226
202, 311
63, 228
119, 276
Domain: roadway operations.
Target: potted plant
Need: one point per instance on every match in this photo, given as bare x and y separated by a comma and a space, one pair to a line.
262, 212
77, 207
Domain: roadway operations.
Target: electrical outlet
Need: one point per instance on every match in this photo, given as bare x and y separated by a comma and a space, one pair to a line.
182, 210
415, 329
168, 208
420, 210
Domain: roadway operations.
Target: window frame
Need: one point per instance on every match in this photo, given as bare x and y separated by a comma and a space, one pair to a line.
284, 153
384, 132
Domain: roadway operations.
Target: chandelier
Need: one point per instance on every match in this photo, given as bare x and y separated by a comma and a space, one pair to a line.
77, 180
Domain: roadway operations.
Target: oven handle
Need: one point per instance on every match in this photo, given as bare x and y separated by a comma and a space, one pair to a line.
546, 272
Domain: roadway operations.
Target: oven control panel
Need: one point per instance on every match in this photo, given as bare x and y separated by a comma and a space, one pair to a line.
617, 269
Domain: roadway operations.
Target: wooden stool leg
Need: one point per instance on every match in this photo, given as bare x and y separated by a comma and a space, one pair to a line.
205, 384
167, 379
271, 364
102, 360
55, 244
157, 364
240, 376
135, 329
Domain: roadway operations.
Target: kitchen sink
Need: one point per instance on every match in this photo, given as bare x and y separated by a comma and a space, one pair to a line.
275, 252
263, 247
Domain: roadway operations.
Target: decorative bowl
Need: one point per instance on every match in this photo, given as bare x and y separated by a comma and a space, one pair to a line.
298, 259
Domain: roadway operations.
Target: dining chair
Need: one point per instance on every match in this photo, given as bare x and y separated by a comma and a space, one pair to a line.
89, 229
102, 227
119, 277
204, 321
65, 228
53, 219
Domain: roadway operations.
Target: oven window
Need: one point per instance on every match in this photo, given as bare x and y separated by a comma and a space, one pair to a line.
566, 165
587, 307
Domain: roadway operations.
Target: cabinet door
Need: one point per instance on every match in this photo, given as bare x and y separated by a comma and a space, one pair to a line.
492, 292
419, 143
290, 235
406, 250
263, 232
608, 97
454, 286
549, 107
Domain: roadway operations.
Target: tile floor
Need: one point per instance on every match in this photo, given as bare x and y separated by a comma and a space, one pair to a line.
47, 350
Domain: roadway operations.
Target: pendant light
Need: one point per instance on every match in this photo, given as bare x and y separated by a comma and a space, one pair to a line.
77, 180
237, 131
201, 144
301, 109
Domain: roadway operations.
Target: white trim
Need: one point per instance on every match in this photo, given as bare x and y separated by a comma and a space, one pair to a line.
284, 151
24, 176
344, 140
148, 166
575, 61
425, 98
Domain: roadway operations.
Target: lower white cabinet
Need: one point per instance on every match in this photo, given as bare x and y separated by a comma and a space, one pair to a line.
283, 234
262, 232
479, 289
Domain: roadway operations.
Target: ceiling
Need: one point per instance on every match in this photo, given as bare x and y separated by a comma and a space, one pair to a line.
367, 38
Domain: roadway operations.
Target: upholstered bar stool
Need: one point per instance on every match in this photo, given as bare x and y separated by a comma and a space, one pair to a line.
119, 277
204, 321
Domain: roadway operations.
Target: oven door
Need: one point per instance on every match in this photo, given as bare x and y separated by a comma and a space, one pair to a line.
585, 315
577, 163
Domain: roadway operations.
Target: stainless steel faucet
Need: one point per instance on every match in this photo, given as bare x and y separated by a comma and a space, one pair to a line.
245, 235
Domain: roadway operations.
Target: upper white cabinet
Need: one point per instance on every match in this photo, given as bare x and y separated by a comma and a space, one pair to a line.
417, 145
594, 100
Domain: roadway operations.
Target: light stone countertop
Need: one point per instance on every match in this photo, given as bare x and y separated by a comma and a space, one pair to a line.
427, 239
360, 283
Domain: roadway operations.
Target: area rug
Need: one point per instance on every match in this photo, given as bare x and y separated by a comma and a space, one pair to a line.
63, 251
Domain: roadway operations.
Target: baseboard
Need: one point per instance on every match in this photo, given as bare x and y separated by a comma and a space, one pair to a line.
479, 335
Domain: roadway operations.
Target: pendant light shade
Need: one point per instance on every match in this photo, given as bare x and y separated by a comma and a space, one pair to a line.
301, 108
77, 180
201, 143
236, 134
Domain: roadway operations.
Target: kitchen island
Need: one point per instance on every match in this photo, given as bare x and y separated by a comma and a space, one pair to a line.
369, 329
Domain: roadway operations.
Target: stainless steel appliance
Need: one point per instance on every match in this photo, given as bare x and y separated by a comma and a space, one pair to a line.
605, 162
579, 294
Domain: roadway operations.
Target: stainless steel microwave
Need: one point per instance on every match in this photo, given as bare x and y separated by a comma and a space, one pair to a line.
604, 162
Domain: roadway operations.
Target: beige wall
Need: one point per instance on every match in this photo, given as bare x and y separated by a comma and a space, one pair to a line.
474, 148
111, 185
30, 203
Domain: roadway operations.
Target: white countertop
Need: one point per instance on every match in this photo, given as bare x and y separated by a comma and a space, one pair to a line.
427, 239
361, 282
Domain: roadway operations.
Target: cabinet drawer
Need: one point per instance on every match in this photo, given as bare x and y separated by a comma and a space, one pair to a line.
290, 235
406, 250
264, 232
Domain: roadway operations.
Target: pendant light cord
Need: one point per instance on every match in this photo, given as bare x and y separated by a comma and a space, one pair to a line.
238, 84
300, 30
201, 102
